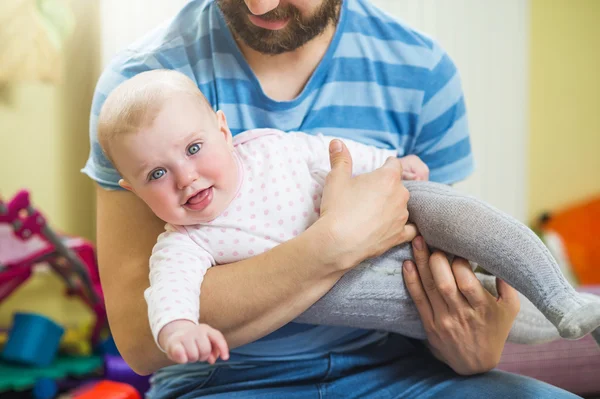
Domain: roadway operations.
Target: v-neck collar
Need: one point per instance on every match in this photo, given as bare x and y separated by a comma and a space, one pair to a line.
315, 79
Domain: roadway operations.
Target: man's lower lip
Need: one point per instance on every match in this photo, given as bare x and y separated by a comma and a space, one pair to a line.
270, 25
202, 204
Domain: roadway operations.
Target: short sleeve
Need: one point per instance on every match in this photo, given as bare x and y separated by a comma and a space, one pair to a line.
122, 67
442, 139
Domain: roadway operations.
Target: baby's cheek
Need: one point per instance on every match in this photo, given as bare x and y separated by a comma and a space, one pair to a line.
221, 169
162, 204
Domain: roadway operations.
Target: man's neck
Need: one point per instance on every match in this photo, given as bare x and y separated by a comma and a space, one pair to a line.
283, 76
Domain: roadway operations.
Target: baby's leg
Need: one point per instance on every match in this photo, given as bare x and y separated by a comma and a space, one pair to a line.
374, 296
467, 227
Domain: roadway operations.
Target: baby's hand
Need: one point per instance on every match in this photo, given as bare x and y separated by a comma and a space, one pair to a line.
186, 342
413, 168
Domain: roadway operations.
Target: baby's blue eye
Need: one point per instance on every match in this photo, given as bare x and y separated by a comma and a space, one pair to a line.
193, 149
157, 174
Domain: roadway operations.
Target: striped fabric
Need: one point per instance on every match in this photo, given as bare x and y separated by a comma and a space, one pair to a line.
379, 83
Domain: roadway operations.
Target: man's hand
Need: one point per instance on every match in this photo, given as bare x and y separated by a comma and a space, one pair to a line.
413, 168
466, 326
363, 216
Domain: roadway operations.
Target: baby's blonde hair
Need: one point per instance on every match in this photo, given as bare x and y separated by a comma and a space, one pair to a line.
135, 103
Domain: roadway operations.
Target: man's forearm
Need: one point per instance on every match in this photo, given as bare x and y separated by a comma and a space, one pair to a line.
245, 300
249, 299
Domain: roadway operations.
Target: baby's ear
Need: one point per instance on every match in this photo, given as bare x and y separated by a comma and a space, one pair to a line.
224, 128
125, 184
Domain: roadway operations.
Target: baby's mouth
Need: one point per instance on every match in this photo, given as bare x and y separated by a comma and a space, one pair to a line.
198, 197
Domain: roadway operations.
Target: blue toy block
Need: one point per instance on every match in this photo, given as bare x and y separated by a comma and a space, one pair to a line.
45, 388
33, 340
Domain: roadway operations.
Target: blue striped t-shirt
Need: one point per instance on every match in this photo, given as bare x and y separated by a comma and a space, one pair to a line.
380, 83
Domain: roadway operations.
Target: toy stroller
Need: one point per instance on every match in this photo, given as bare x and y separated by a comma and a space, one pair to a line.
27, 240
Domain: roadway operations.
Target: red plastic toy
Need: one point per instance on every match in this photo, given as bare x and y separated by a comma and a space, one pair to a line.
27, 240
109, 390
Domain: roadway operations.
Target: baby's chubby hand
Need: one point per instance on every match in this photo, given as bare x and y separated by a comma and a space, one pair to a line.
413, 168
187, 342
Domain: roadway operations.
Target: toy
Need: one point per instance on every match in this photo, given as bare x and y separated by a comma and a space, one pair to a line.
115, 369
33, 340
578, 228
45, 388
109, 390
15, 377
26, 239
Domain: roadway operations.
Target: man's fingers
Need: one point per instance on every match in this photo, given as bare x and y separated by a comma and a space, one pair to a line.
468, 284
508, 296
393, 163
422, 259
340, 159
409, 232
445, 282
416, 291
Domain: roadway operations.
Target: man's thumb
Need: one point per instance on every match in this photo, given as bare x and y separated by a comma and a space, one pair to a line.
340, 158
508, 295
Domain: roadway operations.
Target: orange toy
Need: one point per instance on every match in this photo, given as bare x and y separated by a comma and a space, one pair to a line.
579, 230
110, 390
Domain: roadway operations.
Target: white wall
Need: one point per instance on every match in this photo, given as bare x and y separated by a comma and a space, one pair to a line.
123, 21
486, 38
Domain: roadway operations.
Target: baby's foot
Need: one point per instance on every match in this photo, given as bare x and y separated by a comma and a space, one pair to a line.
187, 342
583, 321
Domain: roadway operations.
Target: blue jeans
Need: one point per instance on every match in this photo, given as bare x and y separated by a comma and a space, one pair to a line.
397, 368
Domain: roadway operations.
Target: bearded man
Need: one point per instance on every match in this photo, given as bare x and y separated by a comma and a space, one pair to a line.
341, 68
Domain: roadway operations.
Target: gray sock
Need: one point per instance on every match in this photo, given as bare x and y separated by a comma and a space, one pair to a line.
467, 227
373, 295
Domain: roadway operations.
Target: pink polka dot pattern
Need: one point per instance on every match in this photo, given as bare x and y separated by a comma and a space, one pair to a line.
279, 197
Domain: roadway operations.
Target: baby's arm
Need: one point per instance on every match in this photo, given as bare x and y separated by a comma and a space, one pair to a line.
177, 268
365, 158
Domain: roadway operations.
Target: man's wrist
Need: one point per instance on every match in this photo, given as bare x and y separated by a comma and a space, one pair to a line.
321, 243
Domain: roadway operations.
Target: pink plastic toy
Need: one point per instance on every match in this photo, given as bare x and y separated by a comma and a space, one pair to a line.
27, 240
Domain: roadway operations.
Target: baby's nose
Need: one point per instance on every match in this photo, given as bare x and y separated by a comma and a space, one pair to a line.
185, 178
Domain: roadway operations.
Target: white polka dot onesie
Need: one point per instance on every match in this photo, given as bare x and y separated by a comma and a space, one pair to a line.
279, 194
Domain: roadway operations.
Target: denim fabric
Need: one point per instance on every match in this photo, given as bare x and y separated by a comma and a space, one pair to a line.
396, 368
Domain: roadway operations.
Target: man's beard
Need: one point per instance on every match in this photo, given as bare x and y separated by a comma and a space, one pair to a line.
298, 31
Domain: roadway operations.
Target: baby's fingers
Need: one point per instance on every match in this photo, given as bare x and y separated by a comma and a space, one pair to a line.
176, 353
204, 347
219, 342
191, 350
409, 176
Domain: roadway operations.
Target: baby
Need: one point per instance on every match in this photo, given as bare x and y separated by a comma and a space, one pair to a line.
225, 199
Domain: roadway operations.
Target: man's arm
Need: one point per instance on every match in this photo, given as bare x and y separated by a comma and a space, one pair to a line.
235, 299
247, 300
